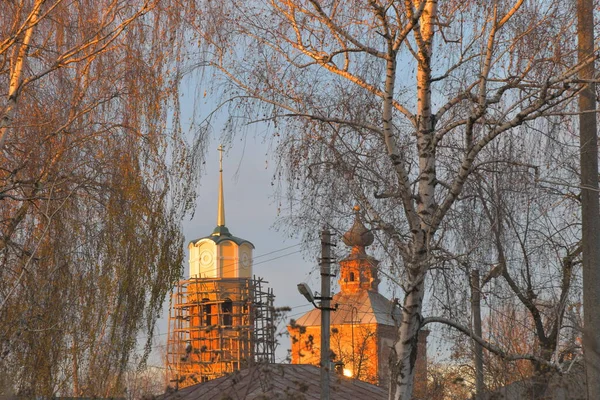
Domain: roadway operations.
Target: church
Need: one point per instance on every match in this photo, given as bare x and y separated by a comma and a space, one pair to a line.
220, 318
365, 324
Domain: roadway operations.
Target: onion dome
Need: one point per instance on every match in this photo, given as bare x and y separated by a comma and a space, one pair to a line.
358, 235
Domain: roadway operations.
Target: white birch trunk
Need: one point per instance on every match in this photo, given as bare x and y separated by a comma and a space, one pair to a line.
405, 349
17, 71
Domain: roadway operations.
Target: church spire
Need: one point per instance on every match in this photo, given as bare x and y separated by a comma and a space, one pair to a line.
221, 207
221, 229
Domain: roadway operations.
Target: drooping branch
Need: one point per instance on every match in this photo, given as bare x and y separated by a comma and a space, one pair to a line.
489, 346
335, 28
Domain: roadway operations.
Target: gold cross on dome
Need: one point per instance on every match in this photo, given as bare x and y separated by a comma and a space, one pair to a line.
221, 150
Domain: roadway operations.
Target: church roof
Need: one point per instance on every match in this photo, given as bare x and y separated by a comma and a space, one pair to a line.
358, 235
362, 307
221, 234
278, 381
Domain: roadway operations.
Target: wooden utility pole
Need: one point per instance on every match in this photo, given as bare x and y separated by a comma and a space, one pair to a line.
476, 317
325, 311
590, 212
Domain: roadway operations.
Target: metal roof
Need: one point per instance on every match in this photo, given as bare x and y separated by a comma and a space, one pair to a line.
278, 381
221, 234
362, 307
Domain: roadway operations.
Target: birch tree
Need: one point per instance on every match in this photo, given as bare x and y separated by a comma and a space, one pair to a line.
389, 104
93, 185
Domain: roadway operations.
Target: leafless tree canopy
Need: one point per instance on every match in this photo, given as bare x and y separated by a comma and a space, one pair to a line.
93, 185
449, 122
413, 109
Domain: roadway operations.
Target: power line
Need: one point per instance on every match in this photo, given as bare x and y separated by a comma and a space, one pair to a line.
277, 251
234, 264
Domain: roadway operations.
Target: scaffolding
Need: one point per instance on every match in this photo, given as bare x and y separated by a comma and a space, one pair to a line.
218, 326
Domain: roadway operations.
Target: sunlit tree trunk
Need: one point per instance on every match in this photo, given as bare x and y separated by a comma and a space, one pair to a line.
405, 348
16, 69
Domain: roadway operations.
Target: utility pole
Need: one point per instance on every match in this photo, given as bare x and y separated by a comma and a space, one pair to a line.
476, 316
590, 213
325, 311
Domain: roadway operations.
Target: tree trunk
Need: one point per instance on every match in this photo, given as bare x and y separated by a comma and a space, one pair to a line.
590, 213
477, 330
405, 349
16, 71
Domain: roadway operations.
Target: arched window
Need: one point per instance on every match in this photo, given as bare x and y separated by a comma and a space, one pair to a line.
352, 276
207, 312
227, 311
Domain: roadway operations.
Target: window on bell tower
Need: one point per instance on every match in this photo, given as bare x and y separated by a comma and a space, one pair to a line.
226, 310
207, 312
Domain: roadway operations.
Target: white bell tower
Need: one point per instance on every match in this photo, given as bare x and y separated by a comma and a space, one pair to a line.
220, 255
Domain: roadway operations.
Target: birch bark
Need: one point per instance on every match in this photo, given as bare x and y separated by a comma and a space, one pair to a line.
405, 349
16, 70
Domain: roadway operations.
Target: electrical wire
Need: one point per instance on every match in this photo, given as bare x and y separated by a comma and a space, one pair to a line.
233, 265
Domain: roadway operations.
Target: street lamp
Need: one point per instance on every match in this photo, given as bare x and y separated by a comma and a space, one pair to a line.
307, 292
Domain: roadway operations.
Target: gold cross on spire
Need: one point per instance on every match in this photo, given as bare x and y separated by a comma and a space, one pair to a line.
221, 150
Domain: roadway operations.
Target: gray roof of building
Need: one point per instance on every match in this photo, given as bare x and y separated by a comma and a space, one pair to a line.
362, 307
278, 381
